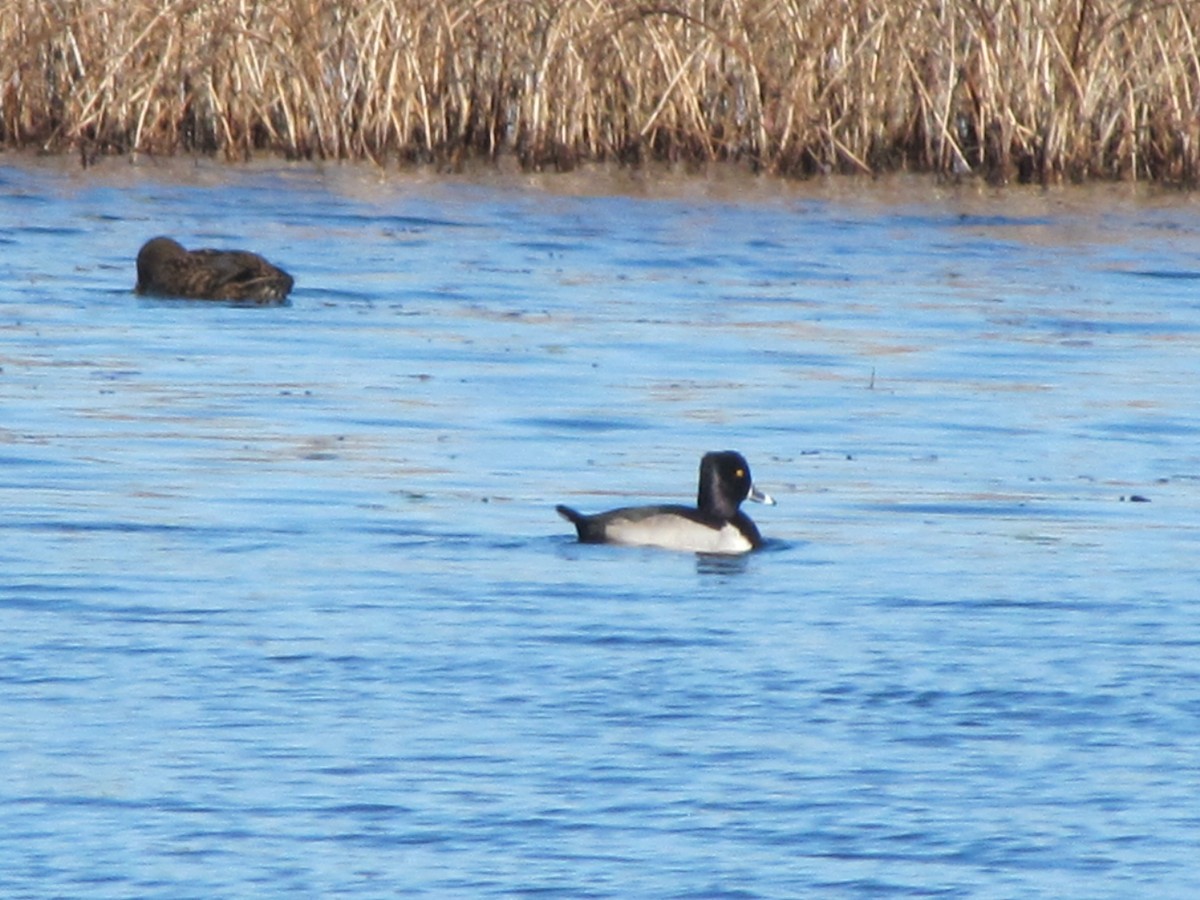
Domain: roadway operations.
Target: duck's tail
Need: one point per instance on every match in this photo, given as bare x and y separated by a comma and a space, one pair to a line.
573, 516
579, 520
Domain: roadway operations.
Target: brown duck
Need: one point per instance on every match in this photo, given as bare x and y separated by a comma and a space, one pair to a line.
166, 269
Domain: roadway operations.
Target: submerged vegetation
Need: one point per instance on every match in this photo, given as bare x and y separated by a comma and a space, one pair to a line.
1036, 90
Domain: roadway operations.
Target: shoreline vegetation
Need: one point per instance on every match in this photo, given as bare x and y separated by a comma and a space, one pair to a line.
1036, 91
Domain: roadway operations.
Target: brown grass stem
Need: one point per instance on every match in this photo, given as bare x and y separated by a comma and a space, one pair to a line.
1034, 90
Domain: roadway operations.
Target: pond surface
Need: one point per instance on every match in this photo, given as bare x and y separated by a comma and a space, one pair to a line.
286, 609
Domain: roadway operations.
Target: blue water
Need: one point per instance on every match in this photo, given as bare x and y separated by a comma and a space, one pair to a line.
285, 609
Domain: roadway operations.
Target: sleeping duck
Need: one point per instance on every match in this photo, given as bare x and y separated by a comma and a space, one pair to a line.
166, 269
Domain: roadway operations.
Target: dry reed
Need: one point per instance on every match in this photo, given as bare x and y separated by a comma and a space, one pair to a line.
1036, 90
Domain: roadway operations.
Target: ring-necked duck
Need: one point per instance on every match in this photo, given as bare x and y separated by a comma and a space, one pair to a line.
714, 525
166, 269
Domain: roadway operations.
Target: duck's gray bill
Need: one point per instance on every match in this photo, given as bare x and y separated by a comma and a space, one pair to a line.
759, 497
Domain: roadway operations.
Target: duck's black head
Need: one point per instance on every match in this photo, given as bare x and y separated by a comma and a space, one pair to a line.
724, 483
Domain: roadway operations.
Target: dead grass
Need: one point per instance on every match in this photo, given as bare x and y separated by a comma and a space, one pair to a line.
1036, 90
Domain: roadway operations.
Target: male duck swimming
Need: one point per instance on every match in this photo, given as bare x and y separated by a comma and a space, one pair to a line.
714, 525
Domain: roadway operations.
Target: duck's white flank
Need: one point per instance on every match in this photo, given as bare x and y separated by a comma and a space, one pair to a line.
675, 532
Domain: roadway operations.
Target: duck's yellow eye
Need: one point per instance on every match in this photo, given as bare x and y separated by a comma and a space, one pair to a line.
740, 473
